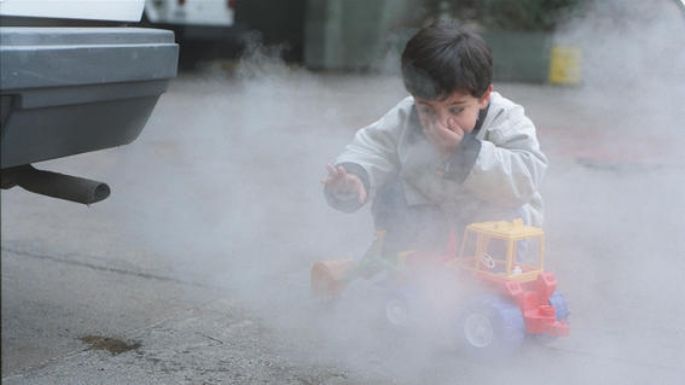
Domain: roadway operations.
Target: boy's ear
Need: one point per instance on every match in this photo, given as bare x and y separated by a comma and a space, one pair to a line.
485, 99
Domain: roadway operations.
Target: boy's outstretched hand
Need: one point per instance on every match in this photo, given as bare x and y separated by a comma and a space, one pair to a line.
344, 185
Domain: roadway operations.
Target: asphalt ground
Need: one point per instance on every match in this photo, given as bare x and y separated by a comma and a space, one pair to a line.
195, 270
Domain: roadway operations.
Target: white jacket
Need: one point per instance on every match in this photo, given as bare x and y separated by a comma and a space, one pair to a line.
495, 174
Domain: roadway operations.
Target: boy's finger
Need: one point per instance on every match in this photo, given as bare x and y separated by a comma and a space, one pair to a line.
360, 190
334, 172
341, 171
327, 179
361, 194
442, 130
331, 169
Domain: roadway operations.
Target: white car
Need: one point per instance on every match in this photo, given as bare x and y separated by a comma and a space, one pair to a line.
66, 90
210, 13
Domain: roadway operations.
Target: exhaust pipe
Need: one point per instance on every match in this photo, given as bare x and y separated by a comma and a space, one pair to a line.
67, 187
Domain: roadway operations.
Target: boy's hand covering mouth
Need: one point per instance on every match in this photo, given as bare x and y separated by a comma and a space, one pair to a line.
445, 139
344, 185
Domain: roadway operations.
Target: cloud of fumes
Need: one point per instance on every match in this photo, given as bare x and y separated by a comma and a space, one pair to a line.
614, 219
632, 59
235, 199
242, 189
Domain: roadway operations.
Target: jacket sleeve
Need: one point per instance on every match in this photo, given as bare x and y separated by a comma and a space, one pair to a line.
510, 166
372, 154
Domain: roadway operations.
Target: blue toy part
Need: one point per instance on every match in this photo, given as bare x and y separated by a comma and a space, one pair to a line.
558, 302
560, 306
492, 324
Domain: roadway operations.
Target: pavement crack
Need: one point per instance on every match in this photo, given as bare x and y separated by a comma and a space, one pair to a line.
211, 338
108, 269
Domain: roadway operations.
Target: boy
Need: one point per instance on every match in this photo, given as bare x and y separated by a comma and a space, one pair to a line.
452, 153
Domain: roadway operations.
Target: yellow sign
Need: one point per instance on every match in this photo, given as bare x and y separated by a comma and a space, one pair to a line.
564, 66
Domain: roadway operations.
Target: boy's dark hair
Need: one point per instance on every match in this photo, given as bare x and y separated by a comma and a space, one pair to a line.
443, 58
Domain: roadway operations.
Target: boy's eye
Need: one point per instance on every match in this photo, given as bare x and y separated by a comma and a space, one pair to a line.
456, 110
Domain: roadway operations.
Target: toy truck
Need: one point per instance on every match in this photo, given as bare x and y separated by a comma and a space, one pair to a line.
506, 294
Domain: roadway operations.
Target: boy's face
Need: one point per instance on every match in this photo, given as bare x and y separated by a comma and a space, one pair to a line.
458, 112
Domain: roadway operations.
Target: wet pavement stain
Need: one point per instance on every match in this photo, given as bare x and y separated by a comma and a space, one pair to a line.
112, 345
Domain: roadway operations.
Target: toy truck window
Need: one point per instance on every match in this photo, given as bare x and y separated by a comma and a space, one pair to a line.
495, 255
469, 246
488, 253
527, 253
